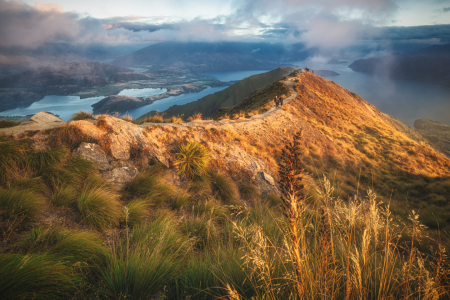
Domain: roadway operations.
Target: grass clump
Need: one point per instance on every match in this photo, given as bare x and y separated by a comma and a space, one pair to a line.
72, 172
68, 136
35, 277
151, 187
195, 116
192, 159
24, 205
224, 187
147, 262
64, 196
81, 248
13, 159
82, 115
99, 204
43, 159
134, 213
201, 229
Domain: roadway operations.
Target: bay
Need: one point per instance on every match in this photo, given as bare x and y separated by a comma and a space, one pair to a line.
163, 104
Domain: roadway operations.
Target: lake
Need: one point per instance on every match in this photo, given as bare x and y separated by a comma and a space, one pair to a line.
403, 99
147, 92
163, 104
232, 76
63, 106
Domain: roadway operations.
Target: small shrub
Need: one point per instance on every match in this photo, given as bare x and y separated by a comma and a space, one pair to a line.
82, 115
224, 187
98, 204
193, 159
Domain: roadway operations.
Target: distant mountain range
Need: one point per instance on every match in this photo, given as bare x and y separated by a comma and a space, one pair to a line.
197, 57
430, 65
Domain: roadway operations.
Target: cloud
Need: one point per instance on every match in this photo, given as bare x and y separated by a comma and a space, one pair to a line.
446, 9
25, 26
327, 25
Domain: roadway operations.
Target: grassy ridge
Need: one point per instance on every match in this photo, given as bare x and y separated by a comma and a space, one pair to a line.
254, 102
229, 97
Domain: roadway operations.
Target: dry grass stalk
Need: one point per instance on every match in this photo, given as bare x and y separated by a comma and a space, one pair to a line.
195, 116
293, 203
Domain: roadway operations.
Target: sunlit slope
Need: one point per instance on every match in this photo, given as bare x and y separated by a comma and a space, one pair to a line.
229, 97
350, 141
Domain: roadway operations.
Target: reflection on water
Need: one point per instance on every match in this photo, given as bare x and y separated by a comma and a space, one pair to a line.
163, 104
63, 106
402, 99
142, 92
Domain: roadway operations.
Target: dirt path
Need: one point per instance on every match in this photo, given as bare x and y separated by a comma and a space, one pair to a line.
247, 122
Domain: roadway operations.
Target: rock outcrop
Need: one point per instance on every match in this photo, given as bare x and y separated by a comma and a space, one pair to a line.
117, 172
95, 154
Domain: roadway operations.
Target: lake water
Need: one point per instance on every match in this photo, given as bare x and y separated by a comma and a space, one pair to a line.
232, 76
63, 106
147, 92
402, 99
163, 104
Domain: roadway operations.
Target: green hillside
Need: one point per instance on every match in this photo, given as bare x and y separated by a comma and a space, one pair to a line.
229, 97
255, 101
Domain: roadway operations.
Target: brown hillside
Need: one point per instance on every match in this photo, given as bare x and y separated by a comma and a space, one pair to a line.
344, 138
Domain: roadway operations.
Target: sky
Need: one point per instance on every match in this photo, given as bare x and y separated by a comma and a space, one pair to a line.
325, 24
